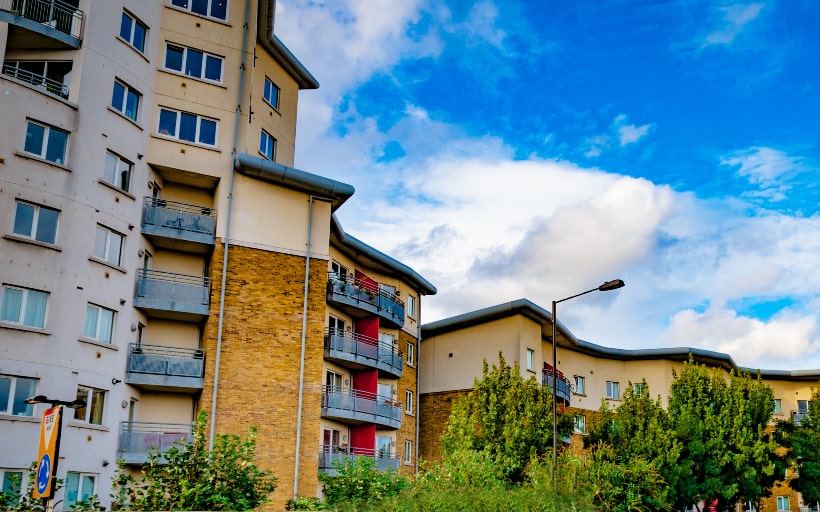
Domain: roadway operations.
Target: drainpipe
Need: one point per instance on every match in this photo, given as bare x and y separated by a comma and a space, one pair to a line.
302, 357
418, 385
228, 224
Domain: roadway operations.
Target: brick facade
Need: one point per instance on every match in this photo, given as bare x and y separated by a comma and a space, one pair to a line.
407, 382
435, 410
260, 359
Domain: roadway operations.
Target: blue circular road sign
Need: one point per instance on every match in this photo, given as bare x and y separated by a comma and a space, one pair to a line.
43, 473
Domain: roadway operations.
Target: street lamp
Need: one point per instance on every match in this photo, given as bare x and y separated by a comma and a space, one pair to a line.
42, 399
609, 285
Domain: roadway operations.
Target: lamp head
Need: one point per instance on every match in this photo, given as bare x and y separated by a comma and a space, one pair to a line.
39, 399
611, 285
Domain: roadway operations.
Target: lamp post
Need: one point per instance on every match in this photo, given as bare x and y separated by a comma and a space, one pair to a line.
609, 285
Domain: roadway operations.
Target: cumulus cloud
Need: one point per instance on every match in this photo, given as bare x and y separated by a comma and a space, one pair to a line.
732, 20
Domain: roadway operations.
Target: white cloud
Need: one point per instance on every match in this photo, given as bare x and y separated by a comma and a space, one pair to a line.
620, 130
629, 133
733, 19
767, 168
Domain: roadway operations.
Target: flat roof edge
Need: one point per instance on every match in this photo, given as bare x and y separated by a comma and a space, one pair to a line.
280, 52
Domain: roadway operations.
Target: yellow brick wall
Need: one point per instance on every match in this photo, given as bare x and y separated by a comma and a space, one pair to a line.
407, 432
260, 359
435, 410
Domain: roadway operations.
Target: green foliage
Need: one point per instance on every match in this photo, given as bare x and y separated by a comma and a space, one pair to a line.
21, 500
357, 481
305, 503
188, 477
619, 486
802, 450
508, 417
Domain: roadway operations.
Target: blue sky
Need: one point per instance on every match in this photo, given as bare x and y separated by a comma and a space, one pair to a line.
509, 149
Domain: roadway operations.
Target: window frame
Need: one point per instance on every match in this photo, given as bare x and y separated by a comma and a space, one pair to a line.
778, 406
184, 63
267, 93
613, 385
579, 389
12, 406
127, 93
4, 479
339, 271
331, 375
530, 360
408, 452
411, 306
105, 257
34, 230
90, 395
411, 354
46, 142
267, 145
187, 6
118, 161
99, 324
134, 22
409, 402
579, 424
784, 500
197, 132
24, 303
69, 503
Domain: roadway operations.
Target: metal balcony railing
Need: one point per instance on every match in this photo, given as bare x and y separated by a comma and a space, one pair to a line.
138, 439
330, 454
170, 286
799, 416
563, 389
179, 216
52, 13
361, 405
364, 350
171, 361
365, 292
41, 82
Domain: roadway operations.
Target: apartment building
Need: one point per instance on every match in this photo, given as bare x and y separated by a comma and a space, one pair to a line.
453, 351
161, 256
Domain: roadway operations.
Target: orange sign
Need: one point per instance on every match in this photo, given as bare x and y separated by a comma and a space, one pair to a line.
47, 454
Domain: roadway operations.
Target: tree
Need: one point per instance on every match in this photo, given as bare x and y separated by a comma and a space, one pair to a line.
358, 481
508, 417
191, 478
802, 444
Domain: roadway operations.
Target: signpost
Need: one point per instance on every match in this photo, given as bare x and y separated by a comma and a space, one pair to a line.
50, 429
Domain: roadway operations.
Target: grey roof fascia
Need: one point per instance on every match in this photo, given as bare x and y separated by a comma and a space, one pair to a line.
280, 52
356, 248
272, 172
538, 314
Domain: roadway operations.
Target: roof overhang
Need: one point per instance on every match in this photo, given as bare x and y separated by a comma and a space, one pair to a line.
280, 52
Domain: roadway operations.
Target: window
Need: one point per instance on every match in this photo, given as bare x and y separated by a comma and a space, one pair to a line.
108, 245
530, 359
51, 76
411, 306
383, 444
638, 388
271, 93
46, 142
193, 63
580, 385
125, 100
117, 171
579, 424
99, 323
187, 127
78, 487
213, 8
411, 354
408, 402
333, 381
384, 392
339, 271
93, 411
36, 222
12, 481
13, 392
133, 31
408, 452
803, 406
330, 437
778, 406
267, 145
24, 306
783, 503
336, 326
613, 390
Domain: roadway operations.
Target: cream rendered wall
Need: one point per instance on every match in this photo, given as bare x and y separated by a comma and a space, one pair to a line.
257, 202
166, 408
469, 348
186, 194
179, 262
174, 334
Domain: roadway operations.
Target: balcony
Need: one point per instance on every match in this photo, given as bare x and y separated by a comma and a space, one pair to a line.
564, 389
357, 351
138, 439
42, 24
173, 296
799, 416
36, 80
361, 299
340, 454
357, 407
159, 368
179, 226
